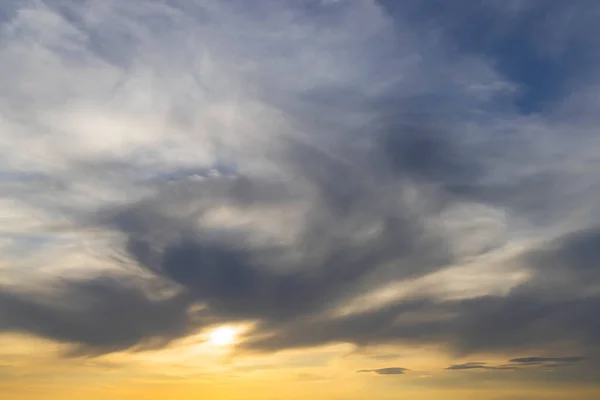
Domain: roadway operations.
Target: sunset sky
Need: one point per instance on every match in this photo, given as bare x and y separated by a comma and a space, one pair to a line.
300, 199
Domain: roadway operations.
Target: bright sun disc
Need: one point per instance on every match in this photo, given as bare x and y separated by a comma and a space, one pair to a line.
222, 336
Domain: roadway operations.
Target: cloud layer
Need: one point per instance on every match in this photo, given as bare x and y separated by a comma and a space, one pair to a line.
279, 163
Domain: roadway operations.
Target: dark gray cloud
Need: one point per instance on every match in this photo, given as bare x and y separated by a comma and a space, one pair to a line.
522, 319
102, 314
519, 363
387, 356
386, 371
469, 365
541, 360
419, 147
546, 309
238, 281
573, 257
220, 269
371, 327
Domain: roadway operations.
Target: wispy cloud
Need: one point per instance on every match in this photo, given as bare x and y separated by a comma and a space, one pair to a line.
469, 365
542, 360
386, 371
519, 363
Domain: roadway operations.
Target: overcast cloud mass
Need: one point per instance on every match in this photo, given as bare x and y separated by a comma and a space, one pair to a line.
351, 171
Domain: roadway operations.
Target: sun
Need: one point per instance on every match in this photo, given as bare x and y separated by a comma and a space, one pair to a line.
222, 336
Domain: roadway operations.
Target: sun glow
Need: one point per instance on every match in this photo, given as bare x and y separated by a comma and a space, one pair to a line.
222, 336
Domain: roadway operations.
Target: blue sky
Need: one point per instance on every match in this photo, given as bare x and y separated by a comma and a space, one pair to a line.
539, 45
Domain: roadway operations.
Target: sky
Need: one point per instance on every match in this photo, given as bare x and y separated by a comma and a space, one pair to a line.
291, 199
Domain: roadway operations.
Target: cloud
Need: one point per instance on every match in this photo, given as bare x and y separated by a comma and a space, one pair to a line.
470, 365
388, 356
386, 371
520, 319
181, 233
101, 314
274, 164
519, 363
541, 360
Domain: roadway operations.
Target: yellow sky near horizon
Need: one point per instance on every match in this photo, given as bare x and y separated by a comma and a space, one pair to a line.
202, 366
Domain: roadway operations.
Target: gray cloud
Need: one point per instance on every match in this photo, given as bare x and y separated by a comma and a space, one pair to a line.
419, 147
100, 315
387, 356
546, 309
541, 360
237, 284
519, 363
240, 281
488, 323
524, 38
386, 371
